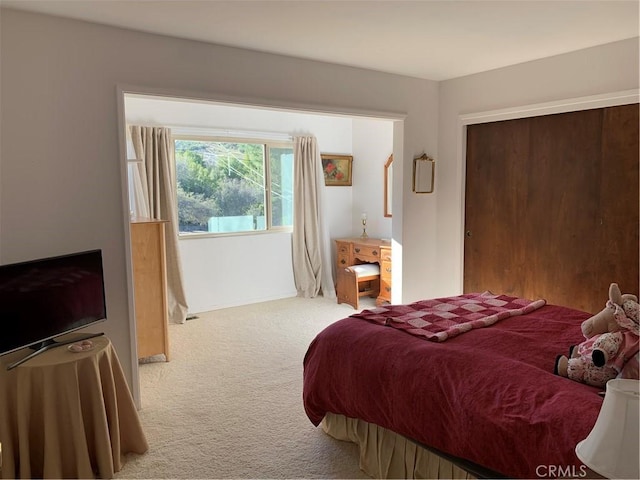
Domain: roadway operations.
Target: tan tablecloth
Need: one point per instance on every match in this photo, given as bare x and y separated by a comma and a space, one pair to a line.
67, 415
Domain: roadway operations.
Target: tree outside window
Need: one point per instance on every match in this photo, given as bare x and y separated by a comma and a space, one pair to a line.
233, 186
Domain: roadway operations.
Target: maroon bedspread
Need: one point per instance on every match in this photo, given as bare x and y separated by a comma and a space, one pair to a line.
488, 396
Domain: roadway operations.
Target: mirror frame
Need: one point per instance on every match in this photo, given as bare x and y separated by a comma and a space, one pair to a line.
423, 174
388, 182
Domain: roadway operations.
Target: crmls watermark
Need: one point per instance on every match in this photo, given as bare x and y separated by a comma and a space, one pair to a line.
560, 471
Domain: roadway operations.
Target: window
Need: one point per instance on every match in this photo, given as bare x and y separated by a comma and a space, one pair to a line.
228, 186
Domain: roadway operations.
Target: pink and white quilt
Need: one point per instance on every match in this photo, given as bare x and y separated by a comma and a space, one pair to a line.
442, 318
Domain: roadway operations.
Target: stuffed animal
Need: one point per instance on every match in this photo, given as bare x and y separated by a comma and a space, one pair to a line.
611, 346
606, 320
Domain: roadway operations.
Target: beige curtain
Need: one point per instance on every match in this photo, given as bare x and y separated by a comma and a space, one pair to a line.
311, 244
153, 145
138, 195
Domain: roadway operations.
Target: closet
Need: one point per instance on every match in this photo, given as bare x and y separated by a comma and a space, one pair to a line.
552, 206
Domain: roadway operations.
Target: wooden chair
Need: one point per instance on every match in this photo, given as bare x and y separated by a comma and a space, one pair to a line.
357, 281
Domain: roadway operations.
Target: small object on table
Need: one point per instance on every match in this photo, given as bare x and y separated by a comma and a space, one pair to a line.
82, 346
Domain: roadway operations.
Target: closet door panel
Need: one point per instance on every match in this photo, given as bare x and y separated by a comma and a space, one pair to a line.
619, 194
562, 207
493, 207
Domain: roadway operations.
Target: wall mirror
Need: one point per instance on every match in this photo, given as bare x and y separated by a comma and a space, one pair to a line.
423, 169
388, 183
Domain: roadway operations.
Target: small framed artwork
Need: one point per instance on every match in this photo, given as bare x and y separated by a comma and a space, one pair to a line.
423, 170
337, 169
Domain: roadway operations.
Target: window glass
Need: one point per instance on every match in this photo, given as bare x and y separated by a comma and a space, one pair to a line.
281, 169
222, 186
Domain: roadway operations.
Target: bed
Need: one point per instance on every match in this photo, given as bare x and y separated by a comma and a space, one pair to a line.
478, 398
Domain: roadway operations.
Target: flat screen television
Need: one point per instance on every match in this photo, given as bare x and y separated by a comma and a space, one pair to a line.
46, 298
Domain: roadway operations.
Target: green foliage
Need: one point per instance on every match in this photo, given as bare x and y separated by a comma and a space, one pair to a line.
193, 175
194, 210
236, 197
218, 179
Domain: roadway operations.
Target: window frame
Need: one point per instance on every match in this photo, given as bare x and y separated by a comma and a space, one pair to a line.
268, 144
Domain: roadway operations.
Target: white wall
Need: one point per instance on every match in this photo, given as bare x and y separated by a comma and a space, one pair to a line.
594, 71
372, 145
61, 156
250, 274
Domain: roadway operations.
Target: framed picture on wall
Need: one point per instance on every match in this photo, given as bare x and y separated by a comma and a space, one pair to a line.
337, 169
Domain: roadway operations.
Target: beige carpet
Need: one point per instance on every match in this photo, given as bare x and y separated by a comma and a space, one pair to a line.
229, 403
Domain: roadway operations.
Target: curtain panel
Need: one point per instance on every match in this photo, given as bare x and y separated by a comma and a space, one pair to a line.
311, 244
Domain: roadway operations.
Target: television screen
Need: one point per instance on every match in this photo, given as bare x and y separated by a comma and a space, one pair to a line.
42, 299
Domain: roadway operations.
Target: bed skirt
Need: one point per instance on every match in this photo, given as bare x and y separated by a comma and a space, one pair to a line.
385, 454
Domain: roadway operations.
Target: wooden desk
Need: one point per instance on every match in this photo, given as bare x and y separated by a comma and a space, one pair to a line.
353, 251
67, 415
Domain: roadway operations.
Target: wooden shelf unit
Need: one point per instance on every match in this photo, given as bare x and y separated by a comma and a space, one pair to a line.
150, 286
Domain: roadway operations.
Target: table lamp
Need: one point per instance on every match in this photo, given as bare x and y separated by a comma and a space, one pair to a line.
364, 225
611, 448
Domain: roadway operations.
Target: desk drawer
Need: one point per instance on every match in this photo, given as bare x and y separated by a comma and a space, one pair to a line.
343, 260
385, 270
385, 290
343, 248
385, 275
342, 257
366, 253
385, 280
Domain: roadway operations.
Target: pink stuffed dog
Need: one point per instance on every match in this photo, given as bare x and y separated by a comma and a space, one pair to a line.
611, 346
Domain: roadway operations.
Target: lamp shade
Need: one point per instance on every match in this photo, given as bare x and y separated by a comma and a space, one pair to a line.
611, 448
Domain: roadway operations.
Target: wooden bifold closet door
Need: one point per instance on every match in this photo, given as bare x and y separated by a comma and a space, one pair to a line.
552, 206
